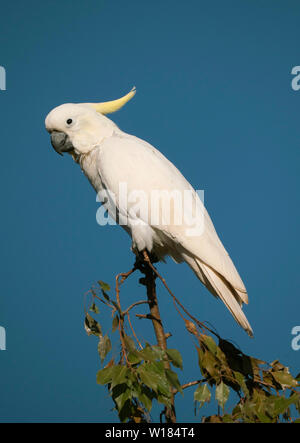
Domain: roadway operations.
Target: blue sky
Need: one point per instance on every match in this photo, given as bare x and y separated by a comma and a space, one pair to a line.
214, 95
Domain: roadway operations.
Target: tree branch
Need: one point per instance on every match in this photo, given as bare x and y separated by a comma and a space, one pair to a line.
135, 304
149, 282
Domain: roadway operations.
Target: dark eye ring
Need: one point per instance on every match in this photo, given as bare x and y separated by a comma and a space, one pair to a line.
69, 121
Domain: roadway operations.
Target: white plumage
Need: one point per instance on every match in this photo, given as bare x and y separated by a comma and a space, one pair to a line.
108, 157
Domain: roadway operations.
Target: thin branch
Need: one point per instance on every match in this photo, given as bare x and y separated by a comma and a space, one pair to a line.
125, 275
135, 336
121, 321
200, 324
191, 383
104, 302
148, 316
135, 304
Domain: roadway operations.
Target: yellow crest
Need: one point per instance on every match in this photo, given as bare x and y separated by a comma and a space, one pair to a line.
113, 105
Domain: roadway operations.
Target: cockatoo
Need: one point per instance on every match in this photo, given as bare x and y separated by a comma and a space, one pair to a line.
108, 157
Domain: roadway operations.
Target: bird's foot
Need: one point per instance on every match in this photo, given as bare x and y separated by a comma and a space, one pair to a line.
146, 256
143, 263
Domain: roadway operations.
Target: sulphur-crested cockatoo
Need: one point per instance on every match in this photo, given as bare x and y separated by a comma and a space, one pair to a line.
110, 158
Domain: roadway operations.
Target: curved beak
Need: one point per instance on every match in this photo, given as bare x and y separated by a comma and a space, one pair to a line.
61, 142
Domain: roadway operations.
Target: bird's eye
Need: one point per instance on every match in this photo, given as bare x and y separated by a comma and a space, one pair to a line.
69, 121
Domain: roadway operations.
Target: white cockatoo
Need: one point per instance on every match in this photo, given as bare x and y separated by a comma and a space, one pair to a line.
109, 157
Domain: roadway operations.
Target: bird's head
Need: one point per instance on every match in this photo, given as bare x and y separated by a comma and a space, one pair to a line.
78, 128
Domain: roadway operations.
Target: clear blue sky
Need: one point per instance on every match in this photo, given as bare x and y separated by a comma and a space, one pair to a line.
214, 95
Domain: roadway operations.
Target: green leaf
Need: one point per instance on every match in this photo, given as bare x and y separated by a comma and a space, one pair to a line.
134, 357
285, 379
175, 357
148, 354
268, 378
104, 285
125, 413
202, 394
105, 375
209, 342
148, 379
227, 418
277, 366
115, 323
164, 400
159, 352
157, 367
222, 357
116, 306
211, 365
92, 326
200, 358
121, 394
94, 308
130, 345
241, 381
260, 406
157, 371
222, 394
172, 377
297, 403
145, 396
164, 387
104, 346
153, 376
282, 403
120, 375
237, 410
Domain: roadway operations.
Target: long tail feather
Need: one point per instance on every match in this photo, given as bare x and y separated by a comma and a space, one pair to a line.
220, 288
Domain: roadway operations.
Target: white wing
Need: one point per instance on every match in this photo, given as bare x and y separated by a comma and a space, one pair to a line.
128, 159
